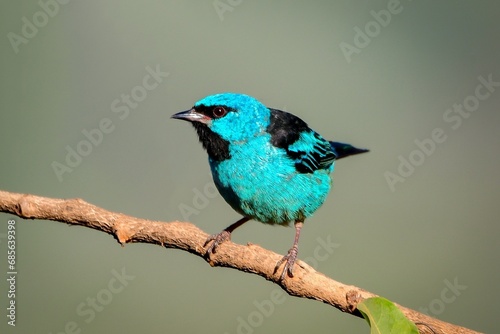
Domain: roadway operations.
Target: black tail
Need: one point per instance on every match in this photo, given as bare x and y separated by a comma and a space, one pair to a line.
343, 150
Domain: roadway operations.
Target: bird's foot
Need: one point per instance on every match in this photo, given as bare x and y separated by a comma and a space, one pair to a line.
289, 260
216, 240
223, 236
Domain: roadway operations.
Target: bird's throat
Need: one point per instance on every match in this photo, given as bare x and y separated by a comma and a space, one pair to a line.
217, 147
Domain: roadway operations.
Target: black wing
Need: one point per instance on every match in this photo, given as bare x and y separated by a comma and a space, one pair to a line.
307, 148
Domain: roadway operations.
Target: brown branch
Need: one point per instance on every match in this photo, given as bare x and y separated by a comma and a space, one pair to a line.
306, 283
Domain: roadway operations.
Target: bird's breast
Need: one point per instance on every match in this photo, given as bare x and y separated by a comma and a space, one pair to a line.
260, 181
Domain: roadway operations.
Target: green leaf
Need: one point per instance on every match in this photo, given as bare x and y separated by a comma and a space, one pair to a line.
385, 318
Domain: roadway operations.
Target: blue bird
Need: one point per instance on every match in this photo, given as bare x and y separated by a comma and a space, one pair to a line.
266, 163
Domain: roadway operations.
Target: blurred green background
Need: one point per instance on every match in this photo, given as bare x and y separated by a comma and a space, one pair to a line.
409, 242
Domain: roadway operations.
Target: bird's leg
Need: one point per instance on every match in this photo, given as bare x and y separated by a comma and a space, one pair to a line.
292, 254
223, 236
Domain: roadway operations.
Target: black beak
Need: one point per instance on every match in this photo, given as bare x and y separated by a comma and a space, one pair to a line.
192, 116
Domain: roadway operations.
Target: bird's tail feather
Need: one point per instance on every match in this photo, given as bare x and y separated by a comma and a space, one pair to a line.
343, 150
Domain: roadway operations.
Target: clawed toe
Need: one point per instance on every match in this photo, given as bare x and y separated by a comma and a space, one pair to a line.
222, 237
289, 261
216, 240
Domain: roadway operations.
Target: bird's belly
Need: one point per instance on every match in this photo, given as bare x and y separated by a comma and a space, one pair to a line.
269, 189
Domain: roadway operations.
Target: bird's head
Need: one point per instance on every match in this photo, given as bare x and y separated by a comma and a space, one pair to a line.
234, 117
226, 118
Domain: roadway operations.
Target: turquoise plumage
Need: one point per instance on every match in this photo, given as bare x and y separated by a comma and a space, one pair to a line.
266, 163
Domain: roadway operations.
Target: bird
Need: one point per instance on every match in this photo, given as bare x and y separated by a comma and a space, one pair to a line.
266, 163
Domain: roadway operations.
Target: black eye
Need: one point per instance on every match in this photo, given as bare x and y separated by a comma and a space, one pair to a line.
219, 112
